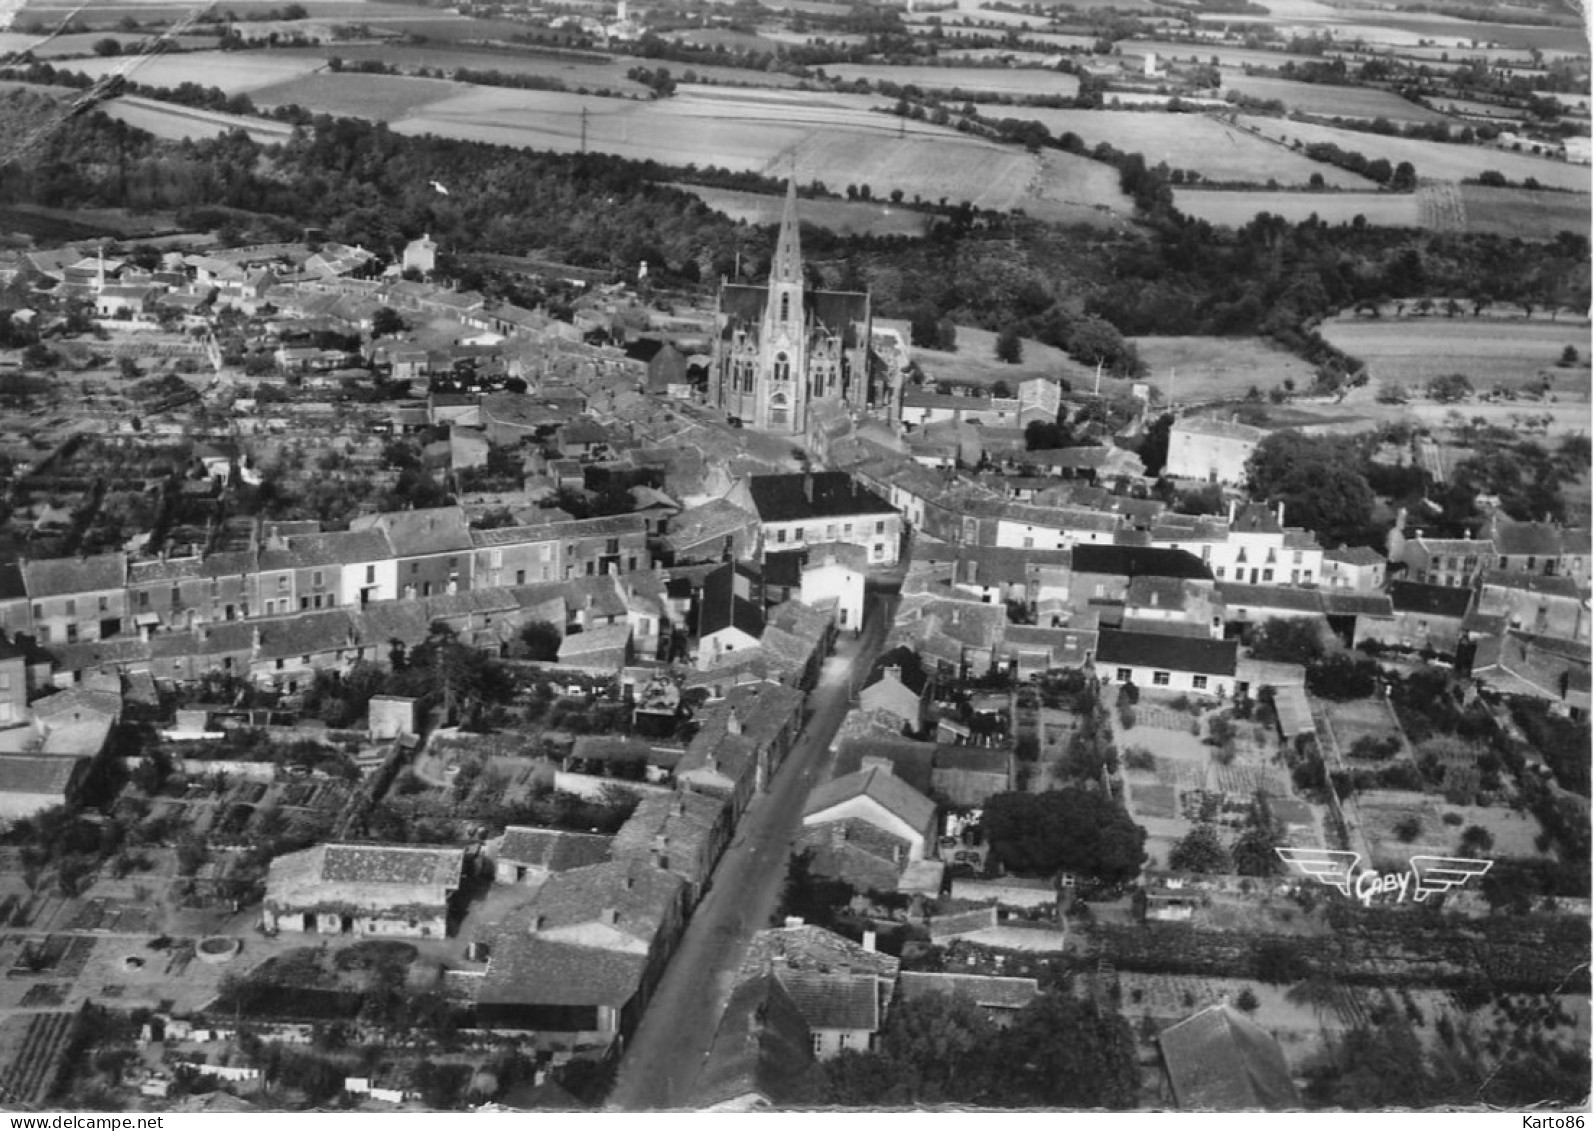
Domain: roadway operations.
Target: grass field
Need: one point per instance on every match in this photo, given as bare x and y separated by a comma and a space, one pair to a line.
1331, 101
1386, 209
990, 80
1431, 158
1489, 350
1524, 213
66, 46
1201, 369
235, 72
1216, 150
1227, 54
842, 217
380, 98
974, 362
177, 123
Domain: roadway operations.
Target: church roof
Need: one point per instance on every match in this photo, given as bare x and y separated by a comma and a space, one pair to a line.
840, 312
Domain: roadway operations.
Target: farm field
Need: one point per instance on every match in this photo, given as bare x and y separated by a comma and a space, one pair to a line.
1331, 101
1227, 54
65, 46
177, 123
380, 98
1489, 350
235, 72
1523, 212
1146, 98
1199, 369
573, 72
841, 217
1431, 158
1216, 150
1385, 209
1468, 109
994, 80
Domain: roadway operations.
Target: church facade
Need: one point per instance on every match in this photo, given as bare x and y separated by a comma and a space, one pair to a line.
784, 348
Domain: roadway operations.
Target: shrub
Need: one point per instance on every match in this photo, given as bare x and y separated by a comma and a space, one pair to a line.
1139, 758
1453, 818
1129, 693
1126, 715
1408, 829
1247, 1001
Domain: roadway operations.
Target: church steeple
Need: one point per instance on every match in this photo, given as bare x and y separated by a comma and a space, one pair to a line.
788, 264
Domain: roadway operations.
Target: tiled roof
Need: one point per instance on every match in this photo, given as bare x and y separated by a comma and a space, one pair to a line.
78, 701
833, 1000
553, 849
1340, 603
52, 577
436, 530
48, 776
910, 671
392, 864
1541, 539
1270, 597
348, 547
164, 570
763, 1047
1533, 583
527, 969
637, 894
809, 947
1354, 556
1225, 429
887, 790
714, 519
680, 825
1220, 1060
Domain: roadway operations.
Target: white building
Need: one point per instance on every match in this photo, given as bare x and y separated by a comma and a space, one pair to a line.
1215, 451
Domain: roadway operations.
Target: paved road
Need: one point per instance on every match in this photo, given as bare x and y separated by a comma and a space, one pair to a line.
669, 1047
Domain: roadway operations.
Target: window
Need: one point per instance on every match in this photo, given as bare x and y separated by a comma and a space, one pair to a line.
71, 608
177, 599
38, 612
880, 550
1124, 675
315, 579
880, 527
843, 1040
780, 536
453, 563
1422, 626
1218, 573
44, 633
591, 569
282, 584
1029, 543
819, 1044
520, 577
71, 634
105, 602
370, 575
5, 681
1159, 679
143, 598
415, 567
304, 603
1531, 560
830, 532
306, 660
280, 665
1199, 682
1267, 575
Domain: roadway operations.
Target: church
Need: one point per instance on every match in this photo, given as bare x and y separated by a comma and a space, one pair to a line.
783, 348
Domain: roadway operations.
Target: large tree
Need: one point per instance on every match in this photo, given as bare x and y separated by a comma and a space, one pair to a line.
1076, 830
1319, 480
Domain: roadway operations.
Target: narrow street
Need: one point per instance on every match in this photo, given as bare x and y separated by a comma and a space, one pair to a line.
669, 1047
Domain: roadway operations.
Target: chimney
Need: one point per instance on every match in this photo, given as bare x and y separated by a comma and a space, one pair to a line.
1233, 507
1417, 534
538, 922
733, 723
838, 835
1281, 512
869, 940
808, 486
609, 915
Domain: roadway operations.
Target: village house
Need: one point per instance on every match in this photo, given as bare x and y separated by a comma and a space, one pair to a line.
1221, 1060
431, 549
681, 832
842, 989
1167, 663
77, 599
368, 889
866, 827
899, 686
816, 507
1213, 451
1545, 548
1536, 603
529, 856
1358, 568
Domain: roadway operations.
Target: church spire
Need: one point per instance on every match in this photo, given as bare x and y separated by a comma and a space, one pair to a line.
788, 264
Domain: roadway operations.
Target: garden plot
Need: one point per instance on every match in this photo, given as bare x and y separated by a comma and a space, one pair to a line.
1331, 101
1200, 369
1152, 799
1359, 718
1514, 352
1515, 834
1384, 811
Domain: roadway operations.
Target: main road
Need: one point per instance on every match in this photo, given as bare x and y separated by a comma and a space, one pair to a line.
661, 1065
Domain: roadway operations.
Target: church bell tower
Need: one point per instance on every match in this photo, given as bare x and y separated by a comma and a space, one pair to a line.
783, 360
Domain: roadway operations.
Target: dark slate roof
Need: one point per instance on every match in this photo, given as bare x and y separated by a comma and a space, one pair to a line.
1354, 555
973, 759
1432, 600
911, 761
11, 583
1219, 1060
719, 607
820, 494
1172, 653
1136, 561
1342, 603
1519, 538
554, 849
839, 312
762, 1047
638, 894
911, 673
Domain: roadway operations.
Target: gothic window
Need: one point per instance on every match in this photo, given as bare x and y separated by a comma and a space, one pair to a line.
785, 308
782, 367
